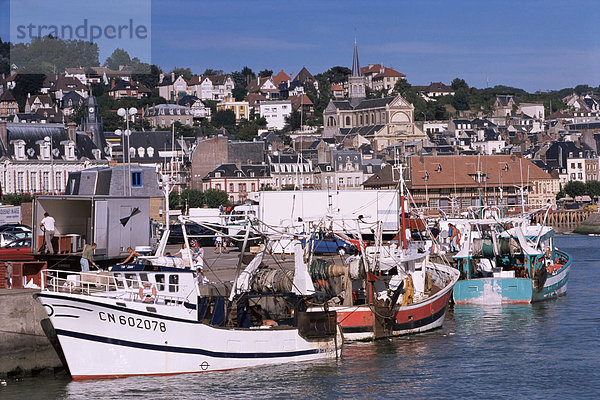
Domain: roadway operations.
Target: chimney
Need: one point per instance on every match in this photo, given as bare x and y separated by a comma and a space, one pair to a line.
172, 77
4, 134
71, 129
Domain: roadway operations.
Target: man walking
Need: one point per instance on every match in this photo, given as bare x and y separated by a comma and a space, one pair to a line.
47, 223
87, 257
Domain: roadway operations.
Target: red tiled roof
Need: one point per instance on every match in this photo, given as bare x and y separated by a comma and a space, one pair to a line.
280, 78
336, 88
389, 72
461, 171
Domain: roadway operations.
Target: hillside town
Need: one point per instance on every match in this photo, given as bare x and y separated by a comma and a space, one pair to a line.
241, 133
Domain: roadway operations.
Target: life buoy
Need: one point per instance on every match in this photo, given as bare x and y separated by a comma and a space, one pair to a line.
147, 298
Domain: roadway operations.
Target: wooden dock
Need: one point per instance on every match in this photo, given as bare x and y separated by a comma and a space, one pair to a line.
562, 218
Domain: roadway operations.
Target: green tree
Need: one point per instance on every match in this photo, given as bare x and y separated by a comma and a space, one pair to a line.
149, 79
265, 73
461, 100
16, 199
50, 55
4, 57
215, 198
117, 58
575, 188
174, 201
212, 72
239, 93
191, 198
185, 72
27, 83
458, 83
592, 188
292, 122
336, 74
223, 118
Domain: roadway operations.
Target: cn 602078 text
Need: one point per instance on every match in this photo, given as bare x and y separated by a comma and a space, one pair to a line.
133, 322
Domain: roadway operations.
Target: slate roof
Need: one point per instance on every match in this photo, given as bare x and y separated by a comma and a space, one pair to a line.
155, 140
187, 100
73, 96
362, 130
33, 134
7, 96
232, 171
304, 76
505, 99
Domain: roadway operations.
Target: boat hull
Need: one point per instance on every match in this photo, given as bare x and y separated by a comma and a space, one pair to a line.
100, 339
358, 322
511, 290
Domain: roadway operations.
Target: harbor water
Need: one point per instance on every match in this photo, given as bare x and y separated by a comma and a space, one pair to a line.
548, 350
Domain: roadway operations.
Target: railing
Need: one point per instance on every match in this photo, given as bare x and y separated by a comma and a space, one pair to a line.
104, 284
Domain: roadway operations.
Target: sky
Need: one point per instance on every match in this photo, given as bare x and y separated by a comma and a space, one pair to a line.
533, 45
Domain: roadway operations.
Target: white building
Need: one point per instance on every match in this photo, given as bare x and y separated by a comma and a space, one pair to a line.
275, 112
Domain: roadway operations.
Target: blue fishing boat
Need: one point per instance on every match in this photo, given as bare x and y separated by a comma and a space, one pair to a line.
507, 260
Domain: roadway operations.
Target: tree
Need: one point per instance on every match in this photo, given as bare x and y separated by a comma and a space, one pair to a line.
50, 55
246, 130
27, 83
117, 58
239, 93
461, 100
215, 198
185, 72
223, 118
149, 79
336, 74
592, 188
265, 73
212, 72
191, 198
174, 201
292, 122
575, 188
458, 83
16, 199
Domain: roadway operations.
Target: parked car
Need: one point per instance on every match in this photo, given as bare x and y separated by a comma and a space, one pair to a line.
176, 234
325, 243
19, 231
17, 250
6, 238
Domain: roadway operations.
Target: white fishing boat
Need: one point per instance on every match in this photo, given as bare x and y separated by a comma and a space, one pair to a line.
156, 320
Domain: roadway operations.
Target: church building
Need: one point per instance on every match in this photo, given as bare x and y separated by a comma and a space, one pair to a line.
383, 121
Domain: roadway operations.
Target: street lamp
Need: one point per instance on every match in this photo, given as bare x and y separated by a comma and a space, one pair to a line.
48, 140
127, 114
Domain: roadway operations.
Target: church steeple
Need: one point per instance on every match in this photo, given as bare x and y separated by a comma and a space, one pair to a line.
356, 81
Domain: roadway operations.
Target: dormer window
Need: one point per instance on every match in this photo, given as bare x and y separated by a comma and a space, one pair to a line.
217, 174
141, 151
19, 149
96, 153
150, 151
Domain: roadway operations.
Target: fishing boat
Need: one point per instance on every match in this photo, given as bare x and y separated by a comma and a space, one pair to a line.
141, 319
507, 260
403, 293
388, 289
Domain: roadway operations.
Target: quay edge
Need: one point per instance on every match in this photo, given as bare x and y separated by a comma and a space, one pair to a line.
25, 349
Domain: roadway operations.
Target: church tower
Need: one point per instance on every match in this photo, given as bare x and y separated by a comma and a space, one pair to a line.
91, 123
356, 81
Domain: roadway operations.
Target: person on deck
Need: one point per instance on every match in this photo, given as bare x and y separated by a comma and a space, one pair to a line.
48, 224
87, 257
435, 237
184, 252
131, 256
219, 242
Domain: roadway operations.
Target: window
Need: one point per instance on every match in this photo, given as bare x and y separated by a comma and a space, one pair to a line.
218, 186
58, 181
33, 181
20, 181
253, 186
45, 181
173, 283
231, 187
136, 179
